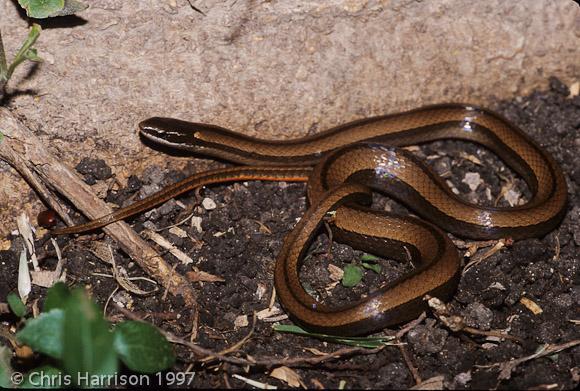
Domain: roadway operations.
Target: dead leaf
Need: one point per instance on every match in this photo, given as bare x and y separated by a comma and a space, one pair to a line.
268, 312
254, 383
471, 158
336, 273
160, 240
122, 279
531, 305
434, 383
178, 232
241, 321
315, 351
201, 276
288, 376
24, 284
47, 278
26, 231
100, 250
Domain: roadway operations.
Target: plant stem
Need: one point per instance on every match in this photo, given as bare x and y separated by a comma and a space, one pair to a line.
22, 53
3, 65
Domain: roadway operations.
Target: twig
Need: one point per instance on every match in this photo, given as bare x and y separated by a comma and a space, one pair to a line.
330, 240
226, 381
404, 352
409, 361
556, 256
30, 157
269, 362
411, 325
507, 367
265, 362
491, 333
456, 323
238, 344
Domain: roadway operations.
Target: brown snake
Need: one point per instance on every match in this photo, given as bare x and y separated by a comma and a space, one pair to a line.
342, 166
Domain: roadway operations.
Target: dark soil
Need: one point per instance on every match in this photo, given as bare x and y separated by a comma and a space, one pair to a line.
242, 235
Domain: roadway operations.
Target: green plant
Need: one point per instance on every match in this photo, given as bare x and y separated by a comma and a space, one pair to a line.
77, 345
38, 9
41, 9
361, 342
353, 272
26, 52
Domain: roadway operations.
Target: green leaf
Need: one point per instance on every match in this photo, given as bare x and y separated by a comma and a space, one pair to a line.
375, 267
57, 296
87, 341
41, 9
45, 333
5, 367
363, 342
44, 377
16, 305
369, 258
352, 275
32, 55
142, 347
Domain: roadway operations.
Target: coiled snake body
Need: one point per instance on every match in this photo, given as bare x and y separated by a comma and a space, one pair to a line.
342, 166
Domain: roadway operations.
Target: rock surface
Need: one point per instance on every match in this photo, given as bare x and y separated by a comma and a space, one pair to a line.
268, 68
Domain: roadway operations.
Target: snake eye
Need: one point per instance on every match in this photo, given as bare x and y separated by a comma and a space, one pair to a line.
155, 126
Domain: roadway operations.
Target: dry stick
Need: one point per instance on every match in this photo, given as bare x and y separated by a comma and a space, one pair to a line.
14, 158
238, 344
409, 361
269, 362
507, 367
30, 157
404, 352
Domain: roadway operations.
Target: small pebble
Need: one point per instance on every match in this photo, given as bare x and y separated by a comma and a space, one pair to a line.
442, 166
479, 316
557, 86
473, 180
426, 340
167, 208
196, 223
133, 183
93, 170
463, 378
208, 204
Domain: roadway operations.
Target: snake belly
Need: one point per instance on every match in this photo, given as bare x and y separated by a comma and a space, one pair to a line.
343, 165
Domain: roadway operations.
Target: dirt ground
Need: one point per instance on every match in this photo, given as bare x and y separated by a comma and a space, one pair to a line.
242, 229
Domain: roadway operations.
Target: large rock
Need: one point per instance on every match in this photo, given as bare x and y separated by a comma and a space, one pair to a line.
271, 69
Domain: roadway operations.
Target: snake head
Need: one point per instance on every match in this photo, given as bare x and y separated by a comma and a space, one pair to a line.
192, 137
170, 132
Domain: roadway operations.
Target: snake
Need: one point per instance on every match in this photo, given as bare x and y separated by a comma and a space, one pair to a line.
343, 166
